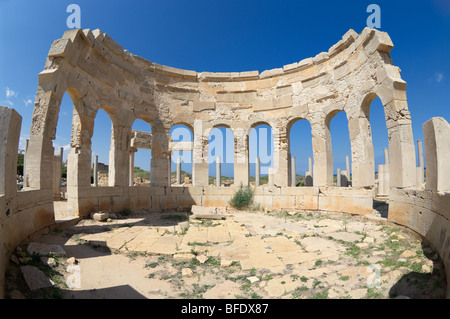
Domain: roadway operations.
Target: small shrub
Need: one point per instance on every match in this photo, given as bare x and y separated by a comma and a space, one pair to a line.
243, 198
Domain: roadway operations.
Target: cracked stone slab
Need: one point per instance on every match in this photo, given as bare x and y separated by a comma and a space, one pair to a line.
45, 249
35, 278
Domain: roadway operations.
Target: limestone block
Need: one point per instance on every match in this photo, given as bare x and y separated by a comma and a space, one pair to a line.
437, 149
10, 123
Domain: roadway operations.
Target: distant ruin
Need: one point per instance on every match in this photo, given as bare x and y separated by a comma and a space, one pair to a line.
98, 73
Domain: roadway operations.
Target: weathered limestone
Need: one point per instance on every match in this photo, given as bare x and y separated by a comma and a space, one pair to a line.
178, 170
10, 122
218, 172
436, 134
257, 172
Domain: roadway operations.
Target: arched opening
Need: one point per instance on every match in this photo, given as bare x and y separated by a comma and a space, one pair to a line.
181, 155
221, 147
62, 146
260, 154
341, 148
373, 109
140, 153
101, 145
301, 152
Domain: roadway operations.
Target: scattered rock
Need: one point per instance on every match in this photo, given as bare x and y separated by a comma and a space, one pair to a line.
183, 257
72, 261
35, 278
14, 259
45, 249
253, 279
100, 216
200, 212
407, 253
369, 240
187, 272
202, 259
16, 294
426, 268
362, 245
48, 261
225, 263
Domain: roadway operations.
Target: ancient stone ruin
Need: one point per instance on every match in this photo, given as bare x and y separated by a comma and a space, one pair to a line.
98, 73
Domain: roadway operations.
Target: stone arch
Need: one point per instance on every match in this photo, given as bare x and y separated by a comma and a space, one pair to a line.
331, 156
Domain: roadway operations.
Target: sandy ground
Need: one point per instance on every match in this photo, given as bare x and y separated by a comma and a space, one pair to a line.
294, 255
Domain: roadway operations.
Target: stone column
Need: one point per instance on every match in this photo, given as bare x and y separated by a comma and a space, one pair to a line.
179, 170
200, 168
57, 177
386, 155
25, 161
338, 178
436, 134
270, 178
402, 152
218, 172
133, 151
293, 172
95, 173
420, 170
241, 165
257, 173
10, 123
309, 173
119, 155
323, 155
280, 156
160, 163
363, 166
61, 154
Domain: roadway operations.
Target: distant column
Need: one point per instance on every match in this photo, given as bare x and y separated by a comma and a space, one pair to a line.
218, 172
96, 171
25, 162
270, 178
386, 156
131, 168
309, 173
420, 169
257, 173
179, 170
293, 171
338, 175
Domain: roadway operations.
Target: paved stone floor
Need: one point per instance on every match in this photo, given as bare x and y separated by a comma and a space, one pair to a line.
246, 255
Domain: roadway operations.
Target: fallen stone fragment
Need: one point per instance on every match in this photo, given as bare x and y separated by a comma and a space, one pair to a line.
35, 278
45, 250
225, 263
200, 212
253, 279
187, 272
72, 261
202, 259
48, 261
100, 216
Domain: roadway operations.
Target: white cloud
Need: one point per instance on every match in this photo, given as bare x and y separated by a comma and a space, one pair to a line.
439, 76
11, 93
27, 102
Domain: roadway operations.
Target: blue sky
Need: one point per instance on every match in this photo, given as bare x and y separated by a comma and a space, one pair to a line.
228, 36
